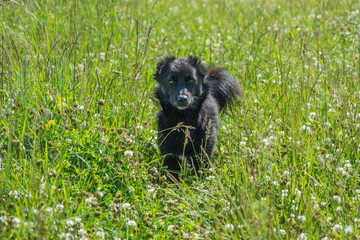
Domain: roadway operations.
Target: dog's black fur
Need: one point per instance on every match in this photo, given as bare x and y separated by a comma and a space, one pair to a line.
192, 97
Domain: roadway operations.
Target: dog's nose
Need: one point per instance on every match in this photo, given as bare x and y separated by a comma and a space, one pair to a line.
182, 99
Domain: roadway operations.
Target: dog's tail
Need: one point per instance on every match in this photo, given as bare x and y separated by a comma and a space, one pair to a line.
224, 88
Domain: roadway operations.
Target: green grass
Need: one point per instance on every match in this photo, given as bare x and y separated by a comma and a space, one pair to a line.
78, 154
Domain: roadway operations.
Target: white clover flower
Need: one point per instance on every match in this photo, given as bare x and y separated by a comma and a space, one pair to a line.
15, 222
297, 192
89, 200
49, 211
170, 228
209, 178
348, 230
3, 218
347, 165
151, 190
82, 231
70, 223
337, 198
341, 171
312, 116
302, 236
14, 193
128, 153
282, 232
337, 227
100, 234
59, 207
102, 56
229, 227
242, 144
126, 205
77, 219
66, 236
131, 223
301, 218
284, 193
307, 129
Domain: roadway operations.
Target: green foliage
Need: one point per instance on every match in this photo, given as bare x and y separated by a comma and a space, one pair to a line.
78, 154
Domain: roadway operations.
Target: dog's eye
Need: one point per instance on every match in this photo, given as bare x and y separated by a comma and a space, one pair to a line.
191, 81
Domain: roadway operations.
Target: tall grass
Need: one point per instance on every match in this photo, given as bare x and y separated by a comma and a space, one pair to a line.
78, 154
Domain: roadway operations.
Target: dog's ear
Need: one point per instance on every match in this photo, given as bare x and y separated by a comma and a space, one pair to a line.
195, 62
162, 64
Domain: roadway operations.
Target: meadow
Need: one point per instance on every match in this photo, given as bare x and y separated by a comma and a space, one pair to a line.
78, 149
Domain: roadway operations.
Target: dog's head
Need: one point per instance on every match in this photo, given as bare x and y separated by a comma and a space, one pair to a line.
181, 80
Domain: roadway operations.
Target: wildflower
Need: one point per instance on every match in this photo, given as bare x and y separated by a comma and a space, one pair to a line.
171, 228
102, 56
99, 194
128, 153
341, 171
14, 193
131, 223
66, 236
59, 208
306, 128
209, 178
301, 218
348, 230
312, 116
82, 231
151, 190
297, 192
126, 205
284, 193
89, 200
15, 222
302, 236
229, 227
337, 198
49, 211
100, 234
70, 223
337, 228
282, 232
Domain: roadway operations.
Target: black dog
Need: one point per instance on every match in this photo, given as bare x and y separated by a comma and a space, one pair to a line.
192, 97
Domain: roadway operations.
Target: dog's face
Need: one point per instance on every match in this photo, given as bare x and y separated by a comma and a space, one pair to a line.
180, 80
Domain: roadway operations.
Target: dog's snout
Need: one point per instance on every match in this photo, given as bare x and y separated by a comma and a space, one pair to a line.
182, 99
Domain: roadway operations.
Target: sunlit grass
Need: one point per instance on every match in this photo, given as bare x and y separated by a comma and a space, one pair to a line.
78, 147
